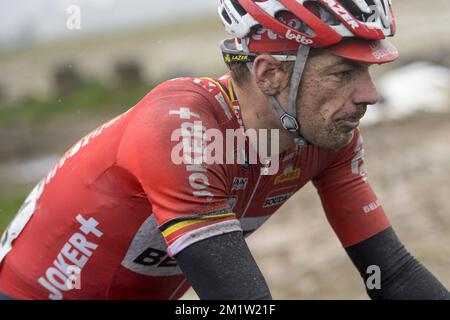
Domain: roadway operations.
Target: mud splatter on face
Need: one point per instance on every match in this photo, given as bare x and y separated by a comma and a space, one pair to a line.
332, 99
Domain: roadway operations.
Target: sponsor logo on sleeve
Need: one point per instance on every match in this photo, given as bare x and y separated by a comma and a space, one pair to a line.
289, 174
239, 183
147, 252
371, 206
276, 200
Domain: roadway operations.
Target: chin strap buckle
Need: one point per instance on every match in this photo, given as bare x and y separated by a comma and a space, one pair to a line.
289, 122
301, 142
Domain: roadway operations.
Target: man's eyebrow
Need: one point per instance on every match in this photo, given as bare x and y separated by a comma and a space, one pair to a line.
346, 62
343, 61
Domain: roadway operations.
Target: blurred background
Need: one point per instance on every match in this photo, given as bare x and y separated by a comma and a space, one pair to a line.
59, 80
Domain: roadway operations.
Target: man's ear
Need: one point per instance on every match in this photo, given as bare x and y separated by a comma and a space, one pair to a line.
269, 76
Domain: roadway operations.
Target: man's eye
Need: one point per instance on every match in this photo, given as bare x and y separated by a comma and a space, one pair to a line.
343, 73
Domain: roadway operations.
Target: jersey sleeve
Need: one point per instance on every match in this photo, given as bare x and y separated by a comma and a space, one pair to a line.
350, 204
161, 147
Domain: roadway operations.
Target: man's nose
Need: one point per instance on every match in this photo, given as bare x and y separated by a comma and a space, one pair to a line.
365, 91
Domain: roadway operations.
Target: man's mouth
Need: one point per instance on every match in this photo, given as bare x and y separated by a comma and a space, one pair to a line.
351, 122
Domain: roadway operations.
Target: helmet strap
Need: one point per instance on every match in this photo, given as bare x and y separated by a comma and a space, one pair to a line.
288, 119
297, 73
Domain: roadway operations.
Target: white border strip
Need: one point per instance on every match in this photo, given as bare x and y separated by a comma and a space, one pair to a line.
203, 233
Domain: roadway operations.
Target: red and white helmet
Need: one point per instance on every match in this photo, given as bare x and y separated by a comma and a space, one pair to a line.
353, 29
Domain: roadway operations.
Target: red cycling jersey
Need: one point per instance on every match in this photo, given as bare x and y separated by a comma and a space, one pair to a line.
116, 208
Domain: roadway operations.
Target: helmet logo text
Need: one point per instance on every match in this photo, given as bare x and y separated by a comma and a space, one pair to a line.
343, 13
298, 37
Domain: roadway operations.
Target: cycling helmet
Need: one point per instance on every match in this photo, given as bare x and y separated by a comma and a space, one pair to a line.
352, 29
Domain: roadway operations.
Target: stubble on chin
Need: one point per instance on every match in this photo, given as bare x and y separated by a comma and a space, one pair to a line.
332, 138
346, 139
341, 138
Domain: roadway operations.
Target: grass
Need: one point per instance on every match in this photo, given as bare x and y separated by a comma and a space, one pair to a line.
91, 96
9, 205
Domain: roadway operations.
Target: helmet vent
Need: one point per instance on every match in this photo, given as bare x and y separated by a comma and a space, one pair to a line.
226, 16
238, 7
322, 12
356, 11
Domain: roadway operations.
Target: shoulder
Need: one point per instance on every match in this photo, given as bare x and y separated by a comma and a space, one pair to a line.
201, 95
181, 101
171, 110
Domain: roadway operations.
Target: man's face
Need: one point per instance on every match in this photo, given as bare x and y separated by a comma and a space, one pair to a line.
333, 97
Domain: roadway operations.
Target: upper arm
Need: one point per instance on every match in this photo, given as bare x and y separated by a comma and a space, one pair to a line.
351, 206
189, 201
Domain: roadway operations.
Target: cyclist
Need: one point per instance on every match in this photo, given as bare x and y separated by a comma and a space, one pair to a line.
121, 217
